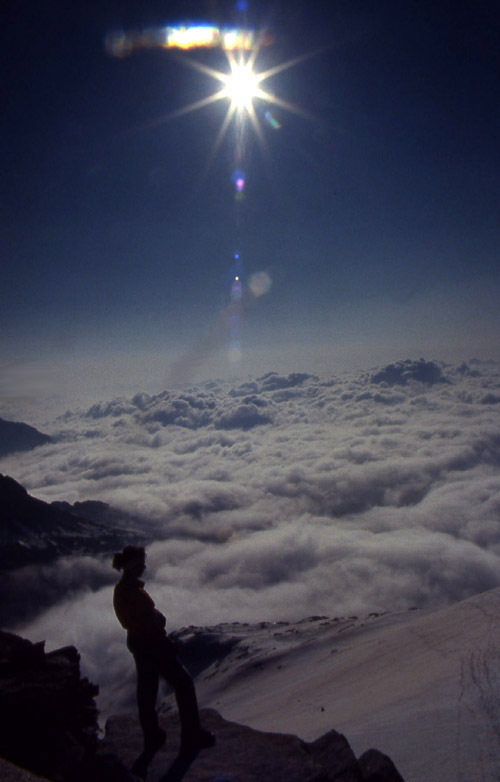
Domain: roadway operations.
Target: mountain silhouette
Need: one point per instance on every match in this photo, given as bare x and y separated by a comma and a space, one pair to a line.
16, 436
37, 533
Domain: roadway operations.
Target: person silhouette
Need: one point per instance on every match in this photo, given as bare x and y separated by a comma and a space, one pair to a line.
155, 655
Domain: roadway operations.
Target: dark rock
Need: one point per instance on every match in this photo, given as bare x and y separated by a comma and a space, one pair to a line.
16, 436
241, 754
48, 714
334, 753
9, 772
377, 767
49, 727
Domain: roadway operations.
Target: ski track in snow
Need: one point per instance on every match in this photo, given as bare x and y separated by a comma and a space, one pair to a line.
479, 705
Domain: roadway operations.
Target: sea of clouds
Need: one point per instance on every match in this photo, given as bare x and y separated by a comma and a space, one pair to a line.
278, 498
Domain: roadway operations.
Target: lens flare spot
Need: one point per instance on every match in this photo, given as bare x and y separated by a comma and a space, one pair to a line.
260, 283
234, 353
272, 121
236, 290
238, 177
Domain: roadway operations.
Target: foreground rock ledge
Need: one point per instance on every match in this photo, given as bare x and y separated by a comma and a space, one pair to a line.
246, 755
49, 727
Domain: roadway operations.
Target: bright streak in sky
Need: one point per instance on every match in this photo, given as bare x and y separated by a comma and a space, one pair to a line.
121, 44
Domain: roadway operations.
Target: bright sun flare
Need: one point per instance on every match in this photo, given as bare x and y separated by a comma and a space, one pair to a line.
242, 85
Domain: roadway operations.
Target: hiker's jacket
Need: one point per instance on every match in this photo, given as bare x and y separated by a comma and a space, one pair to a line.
136, 610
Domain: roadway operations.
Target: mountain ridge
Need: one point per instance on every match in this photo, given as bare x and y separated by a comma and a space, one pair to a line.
18, 436
35, 533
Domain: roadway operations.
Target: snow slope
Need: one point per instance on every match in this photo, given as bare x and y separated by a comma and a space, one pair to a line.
425, 689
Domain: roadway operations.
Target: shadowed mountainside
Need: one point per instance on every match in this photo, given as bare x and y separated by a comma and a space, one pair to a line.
17, 436
34, 534
36, 531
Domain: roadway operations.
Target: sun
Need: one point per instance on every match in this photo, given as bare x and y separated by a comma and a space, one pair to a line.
242, 85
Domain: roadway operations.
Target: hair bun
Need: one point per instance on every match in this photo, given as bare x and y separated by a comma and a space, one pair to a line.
118, 560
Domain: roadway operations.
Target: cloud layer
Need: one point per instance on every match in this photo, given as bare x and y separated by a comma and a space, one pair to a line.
285, 496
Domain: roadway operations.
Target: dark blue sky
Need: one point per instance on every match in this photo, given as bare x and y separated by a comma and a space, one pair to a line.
377, 222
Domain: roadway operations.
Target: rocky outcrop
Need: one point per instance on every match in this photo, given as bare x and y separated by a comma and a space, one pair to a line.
49, 727
242, 754
17, 436
49, 716
378, 767
9, 772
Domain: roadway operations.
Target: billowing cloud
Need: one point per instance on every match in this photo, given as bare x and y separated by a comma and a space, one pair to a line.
283, 496
403, 372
